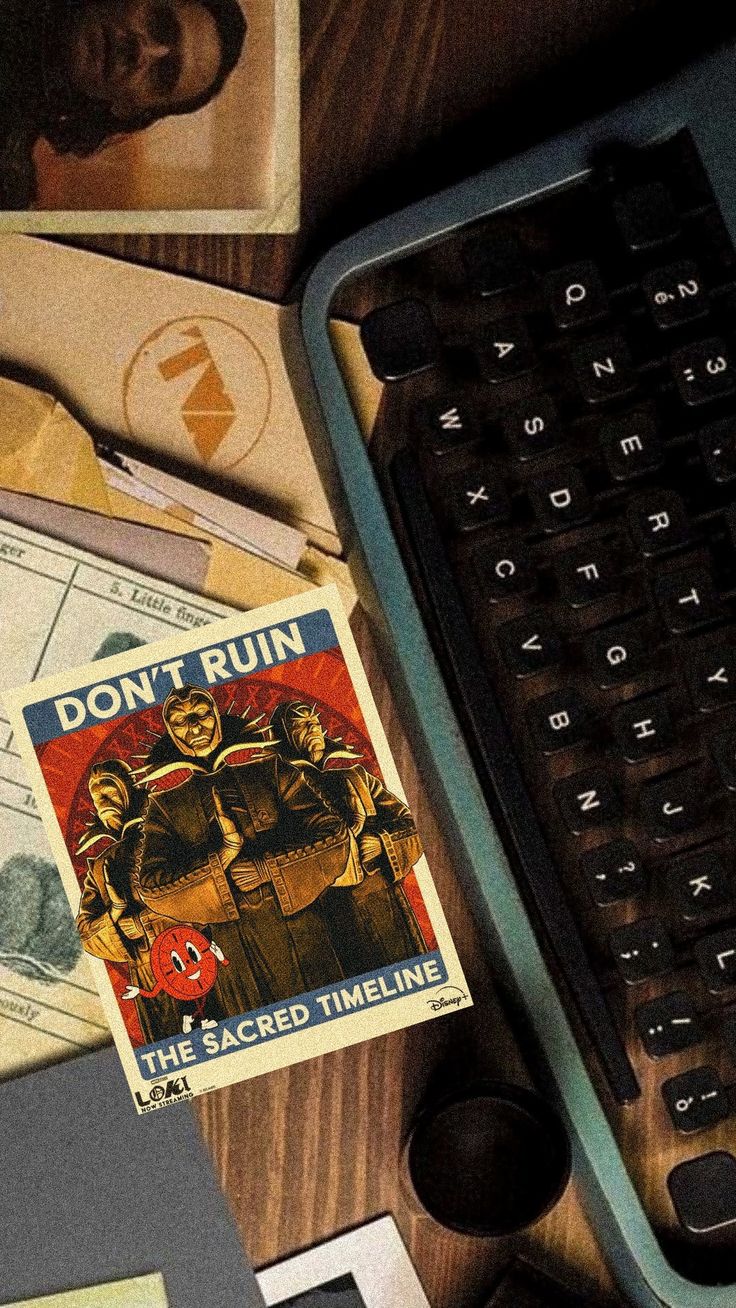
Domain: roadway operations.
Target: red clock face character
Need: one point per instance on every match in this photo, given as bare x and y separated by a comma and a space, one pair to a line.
183, 962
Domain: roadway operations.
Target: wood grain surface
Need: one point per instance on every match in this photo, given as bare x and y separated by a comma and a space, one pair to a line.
399, 98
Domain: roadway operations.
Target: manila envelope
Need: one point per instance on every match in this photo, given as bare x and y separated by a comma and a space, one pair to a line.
170, 364
46, 453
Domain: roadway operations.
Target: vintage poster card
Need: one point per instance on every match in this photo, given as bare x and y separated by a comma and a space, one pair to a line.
365, 1268
141, 1292
246, 876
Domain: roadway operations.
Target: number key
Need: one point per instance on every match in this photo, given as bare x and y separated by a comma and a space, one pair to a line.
675, 294
703, 371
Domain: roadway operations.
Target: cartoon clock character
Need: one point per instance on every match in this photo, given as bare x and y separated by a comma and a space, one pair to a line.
184, 964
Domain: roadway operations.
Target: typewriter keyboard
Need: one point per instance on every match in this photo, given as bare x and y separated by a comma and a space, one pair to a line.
556, 444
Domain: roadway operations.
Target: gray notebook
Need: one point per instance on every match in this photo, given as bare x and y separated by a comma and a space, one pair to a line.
92, 1192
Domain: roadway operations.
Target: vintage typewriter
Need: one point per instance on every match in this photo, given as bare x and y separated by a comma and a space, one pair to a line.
544, 527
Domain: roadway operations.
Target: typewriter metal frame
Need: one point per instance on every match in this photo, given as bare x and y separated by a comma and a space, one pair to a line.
619, 1220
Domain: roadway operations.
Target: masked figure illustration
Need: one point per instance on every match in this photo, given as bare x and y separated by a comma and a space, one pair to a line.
371, 921
112, 924
198, 738
184, 964
250, 847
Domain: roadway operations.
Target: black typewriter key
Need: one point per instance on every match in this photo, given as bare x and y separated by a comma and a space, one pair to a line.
718, 448
696, 1100
647, 217
714, 241
524, 1286
475, 497
673, 804
643, 727
587, 800
603, 369
723, 750
669, 1024
703, 1192
589, 572
613, 872
631, 446
559, 720
503, 569
494, 265
576, 295
616, 655
658, 521
675, 294
529, 644
642, 950
711, 675
703, 371
699, 884
686, 598
532, 428
400, 339
729, 1033
446, 421
506, 351
560, 499
716, 959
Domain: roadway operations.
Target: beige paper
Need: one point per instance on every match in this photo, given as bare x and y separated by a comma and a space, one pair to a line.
47, 453
141, 1292
242, 836
73, 603
192, 371
170, 556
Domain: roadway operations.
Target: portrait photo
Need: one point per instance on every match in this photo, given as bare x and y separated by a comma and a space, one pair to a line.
149, 115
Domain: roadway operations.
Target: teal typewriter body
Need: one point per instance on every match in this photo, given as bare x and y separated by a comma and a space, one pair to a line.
541, 528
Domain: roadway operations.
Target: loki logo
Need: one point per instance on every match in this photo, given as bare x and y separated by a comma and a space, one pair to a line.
200, 388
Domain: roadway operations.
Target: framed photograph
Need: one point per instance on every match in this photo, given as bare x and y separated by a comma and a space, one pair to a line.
150, 116
365, 1268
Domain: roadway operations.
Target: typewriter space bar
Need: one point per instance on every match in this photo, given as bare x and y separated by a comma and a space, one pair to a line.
475, 699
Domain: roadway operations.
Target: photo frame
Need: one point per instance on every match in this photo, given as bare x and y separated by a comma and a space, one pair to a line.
229, 167
368, 1267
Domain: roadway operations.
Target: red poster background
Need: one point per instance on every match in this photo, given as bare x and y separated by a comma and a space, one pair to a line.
322, 679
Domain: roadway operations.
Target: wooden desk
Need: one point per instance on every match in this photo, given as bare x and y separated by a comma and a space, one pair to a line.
398, 99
